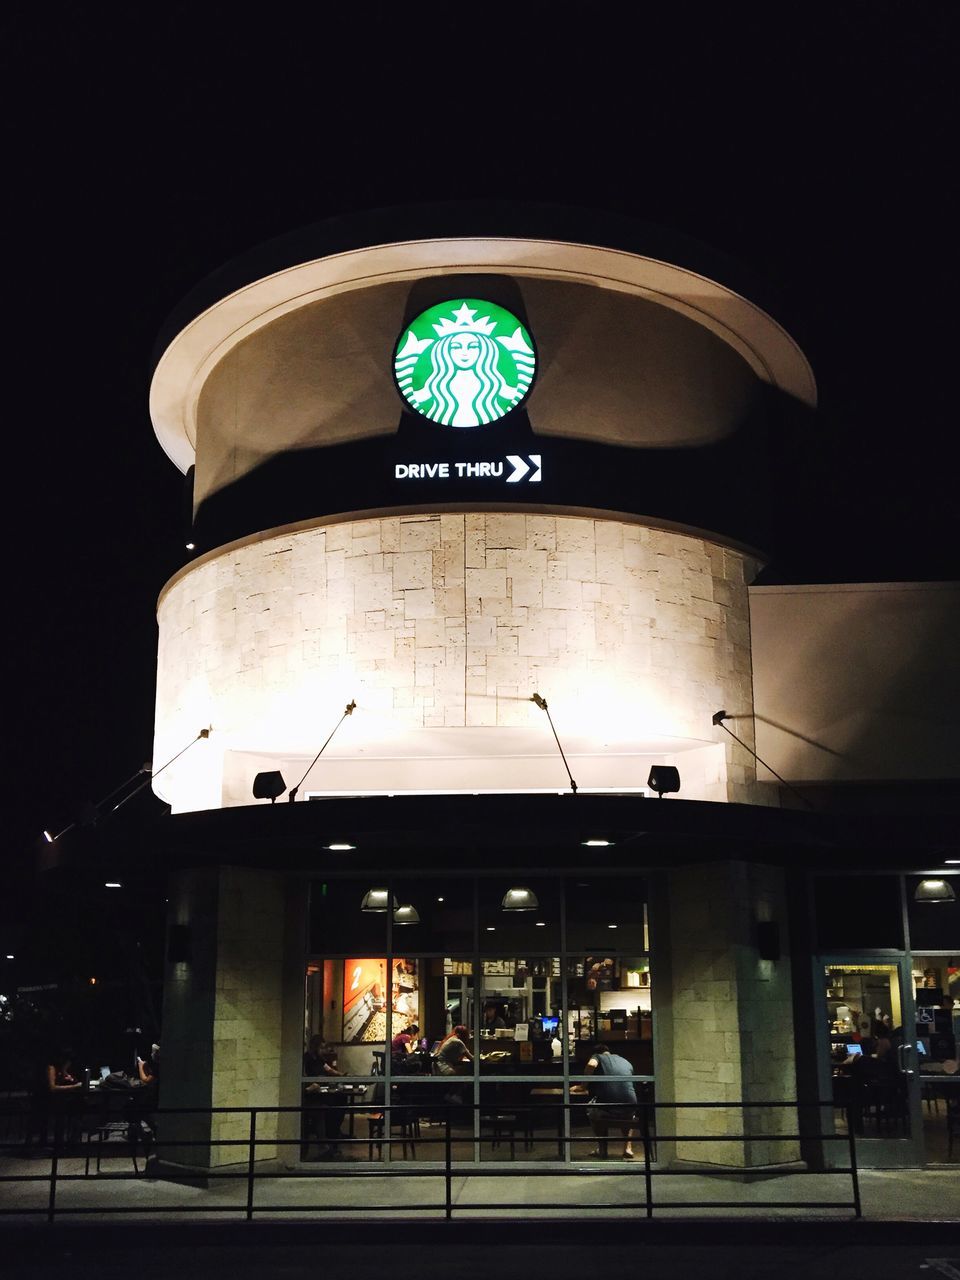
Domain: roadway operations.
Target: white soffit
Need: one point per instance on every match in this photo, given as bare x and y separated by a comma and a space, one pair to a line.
189, 359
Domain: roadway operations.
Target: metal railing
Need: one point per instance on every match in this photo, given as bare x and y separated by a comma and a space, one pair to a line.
69, 1144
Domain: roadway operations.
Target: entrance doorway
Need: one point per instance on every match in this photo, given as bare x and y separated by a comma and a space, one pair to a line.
869, 1058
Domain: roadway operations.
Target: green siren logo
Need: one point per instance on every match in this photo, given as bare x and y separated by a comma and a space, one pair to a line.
464, 363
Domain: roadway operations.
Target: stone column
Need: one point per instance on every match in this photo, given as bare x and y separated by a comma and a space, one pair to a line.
724, 1016
223, 1012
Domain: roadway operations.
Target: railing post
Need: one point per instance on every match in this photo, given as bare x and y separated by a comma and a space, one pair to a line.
251, 1157
854, 1173
54, 1163
648, 1179
448, 1168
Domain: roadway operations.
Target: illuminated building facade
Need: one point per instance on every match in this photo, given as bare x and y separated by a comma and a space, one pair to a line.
440, 464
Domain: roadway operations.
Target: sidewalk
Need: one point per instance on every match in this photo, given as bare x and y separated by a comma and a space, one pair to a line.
930, 1195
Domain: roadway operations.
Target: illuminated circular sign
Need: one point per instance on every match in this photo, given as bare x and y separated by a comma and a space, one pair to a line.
465, 363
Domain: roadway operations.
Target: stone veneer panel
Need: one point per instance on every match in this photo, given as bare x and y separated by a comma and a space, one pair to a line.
248, 1008
731, 1013
449, 621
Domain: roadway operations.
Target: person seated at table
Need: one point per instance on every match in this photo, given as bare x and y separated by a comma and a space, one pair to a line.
613, 1100
148, 1069
147, 1087
321, 1060
403, 1044
63, 1094
452, 1053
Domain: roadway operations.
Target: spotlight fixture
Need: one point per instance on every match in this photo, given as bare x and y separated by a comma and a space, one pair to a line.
520, 899
375, 900
267, 786
934, 889
112, 884
540, 924
664, 777
406, 914
596, 844
339, 848
491, 929
9, 957
190, 546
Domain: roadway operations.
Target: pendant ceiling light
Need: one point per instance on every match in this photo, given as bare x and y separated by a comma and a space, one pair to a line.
406, 914
934, 889
376, 900
520, 899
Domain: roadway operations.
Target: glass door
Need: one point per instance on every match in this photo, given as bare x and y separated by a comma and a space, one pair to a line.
868, 1060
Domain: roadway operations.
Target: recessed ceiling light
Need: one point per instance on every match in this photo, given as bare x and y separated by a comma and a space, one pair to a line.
439, 899
112, 884
191, 546
491, 928
611, 926
541, 924
597, 844
339, 848
10, 957
950, 862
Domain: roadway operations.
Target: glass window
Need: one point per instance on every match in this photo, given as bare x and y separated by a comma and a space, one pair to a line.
606, 912
427, 996
609, 1000
934, 925
858, 912
348, 916
519, 915
434, 915
520, 1010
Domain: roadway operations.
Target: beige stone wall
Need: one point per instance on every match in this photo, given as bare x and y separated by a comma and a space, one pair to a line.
731, 1013
858, 681
248, 1007
441, 626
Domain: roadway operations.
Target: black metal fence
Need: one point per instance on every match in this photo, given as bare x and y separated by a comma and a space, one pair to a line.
73, 1140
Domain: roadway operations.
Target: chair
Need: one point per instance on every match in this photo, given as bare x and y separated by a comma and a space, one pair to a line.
115, 1116
508, 1118
886, 1102
377, 1066
506, 1124
402, 1118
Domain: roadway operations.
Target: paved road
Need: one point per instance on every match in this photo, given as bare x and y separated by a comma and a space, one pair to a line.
476, 1261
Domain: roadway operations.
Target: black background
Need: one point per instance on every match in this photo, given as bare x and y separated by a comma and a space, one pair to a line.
143, 147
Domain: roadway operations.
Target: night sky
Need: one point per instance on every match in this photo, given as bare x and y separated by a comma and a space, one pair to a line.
140, 153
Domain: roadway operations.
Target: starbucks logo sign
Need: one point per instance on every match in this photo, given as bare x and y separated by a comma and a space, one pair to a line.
464, 363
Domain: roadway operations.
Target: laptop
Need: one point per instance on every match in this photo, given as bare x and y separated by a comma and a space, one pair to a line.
434, 1047
854, 1049
104, 1072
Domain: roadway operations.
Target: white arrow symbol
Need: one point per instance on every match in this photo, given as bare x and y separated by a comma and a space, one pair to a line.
535, 460
520, 468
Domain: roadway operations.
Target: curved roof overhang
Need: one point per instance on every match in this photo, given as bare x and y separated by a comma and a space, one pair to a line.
205, 339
